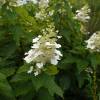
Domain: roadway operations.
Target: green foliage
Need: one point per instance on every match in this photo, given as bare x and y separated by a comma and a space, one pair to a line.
72, 79
44, 95
5, 88
47, 82
52, 70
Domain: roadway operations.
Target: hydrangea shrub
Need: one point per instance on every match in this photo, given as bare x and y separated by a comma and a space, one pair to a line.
49, 50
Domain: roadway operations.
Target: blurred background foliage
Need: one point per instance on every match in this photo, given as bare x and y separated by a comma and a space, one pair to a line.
74, 81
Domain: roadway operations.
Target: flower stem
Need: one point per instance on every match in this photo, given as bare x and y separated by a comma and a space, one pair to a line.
94, 85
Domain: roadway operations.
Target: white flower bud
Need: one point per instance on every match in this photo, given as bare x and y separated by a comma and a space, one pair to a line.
30, 70
39, 65
36, 73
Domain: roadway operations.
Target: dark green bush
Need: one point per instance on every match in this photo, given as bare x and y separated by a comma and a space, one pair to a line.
71, 80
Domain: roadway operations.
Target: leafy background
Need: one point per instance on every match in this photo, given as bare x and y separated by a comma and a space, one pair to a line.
18, 26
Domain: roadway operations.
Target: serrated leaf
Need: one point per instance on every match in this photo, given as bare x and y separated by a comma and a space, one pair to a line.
52, 87
48, 82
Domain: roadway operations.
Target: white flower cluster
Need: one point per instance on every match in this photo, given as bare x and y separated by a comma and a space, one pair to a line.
43, 3
43, 14
83, 14
93, 42
44, 50
22, 2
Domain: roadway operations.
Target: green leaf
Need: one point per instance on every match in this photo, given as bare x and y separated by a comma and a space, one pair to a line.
81, 80
5, 88
99, 95
7, 48
94, 59
51, 70
17, 32
23, 68
22, 88
37, 82
81, 65
69, 59
65, 82
48, 82
20, 78
8, 71
22, 84
44, 95
22, 12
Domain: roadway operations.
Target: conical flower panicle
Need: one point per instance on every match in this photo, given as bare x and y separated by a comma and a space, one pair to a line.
44, 49
83, 14
93, 43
